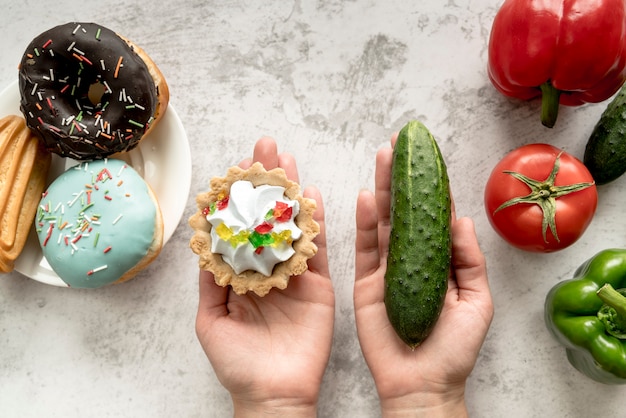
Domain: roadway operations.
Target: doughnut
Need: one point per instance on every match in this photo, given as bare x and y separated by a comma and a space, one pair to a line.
24, 165
88, 93
99, 223
254, 229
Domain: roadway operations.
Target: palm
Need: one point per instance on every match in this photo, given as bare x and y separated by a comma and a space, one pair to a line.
440, 361
276, 346
447, 356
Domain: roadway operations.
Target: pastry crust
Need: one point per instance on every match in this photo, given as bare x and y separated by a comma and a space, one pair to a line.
250, 280
24, 165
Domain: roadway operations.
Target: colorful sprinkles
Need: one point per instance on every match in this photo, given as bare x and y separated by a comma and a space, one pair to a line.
261, 235
86, 225
68, 62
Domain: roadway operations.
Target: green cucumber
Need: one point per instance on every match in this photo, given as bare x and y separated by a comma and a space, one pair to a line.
419, 259
605, 153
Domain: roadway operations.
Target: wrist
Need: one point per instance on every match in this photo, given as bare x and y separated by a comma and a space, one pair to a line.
274, 407
451, 404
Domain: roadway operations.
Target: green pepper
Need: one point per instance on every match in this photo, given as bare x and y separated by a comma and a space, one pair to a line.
589, 318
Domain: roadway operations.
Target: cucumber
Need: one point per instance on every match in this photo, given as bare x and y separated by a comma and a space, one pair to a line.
419, 259
605, 153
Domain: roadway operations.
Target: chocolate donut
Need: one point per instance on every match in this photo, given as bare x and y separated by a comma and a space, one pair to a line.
89, 93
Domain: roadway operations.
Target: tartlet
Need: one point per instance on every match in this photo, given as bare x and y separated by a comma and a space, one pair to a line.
202, 243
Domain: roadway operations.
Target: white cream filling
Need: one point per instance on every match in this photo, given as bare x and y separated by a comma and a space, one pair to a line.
246, 209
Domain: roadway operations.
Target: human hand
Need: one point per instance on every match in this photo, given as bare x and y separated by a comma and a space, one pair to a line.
430, 380
270, 352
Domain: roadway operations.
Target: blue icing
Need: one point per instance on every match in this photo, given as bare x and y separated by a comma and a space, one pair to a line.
95, 222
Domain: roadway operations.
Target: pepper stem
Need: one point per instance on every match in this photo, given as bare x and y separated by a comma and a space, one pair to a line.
549, 104
613, 312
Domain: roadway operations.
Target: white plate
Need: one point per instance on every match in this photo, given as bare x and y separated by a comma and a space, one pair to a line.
163, 159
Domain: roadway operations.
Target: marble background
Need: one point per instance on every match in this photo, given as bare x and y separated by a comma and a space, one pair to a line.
330, 80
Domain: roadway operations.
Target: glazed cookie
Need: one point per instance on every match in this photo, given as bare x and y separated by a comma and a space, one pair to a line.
24, 165
254, 230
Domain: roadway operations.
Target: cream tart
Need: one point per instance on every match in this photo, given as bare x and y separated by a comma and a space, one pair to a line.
254, 230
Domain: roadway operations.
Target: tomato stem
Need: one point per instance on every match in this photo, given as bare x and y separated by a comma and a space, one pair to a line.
544, 193
549, 104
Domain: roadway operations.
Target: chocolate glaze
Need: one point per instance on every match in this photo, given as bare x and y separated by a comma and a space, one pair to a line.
57, 72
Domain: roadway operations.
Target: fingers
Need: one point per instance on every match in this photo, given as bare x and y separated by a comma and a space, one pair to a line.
368, 287
266, 153
287, 162
245, 163
372, 217
212, 297
452, 208
468, 261
319, 263
382, 181
394, 138
367, 256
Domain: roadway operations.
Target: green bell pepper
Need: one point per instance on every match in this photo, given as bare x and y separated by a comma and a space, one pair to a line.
589, 318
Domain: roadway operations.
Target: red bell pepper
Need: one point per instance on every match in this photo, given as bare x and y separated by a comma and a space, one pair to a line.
567, 51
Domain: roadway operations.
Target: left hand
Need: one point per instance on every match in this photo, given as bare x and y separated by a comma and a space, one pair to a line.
270, 352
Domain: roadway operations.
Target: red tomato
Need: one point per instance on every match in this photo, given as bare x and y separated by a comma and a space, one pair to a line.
548, 216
